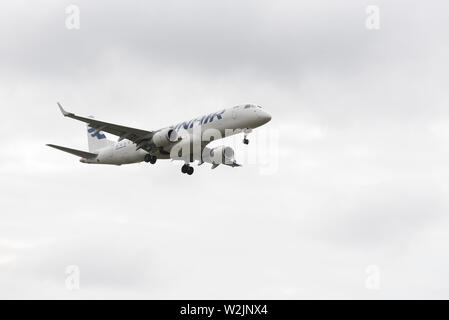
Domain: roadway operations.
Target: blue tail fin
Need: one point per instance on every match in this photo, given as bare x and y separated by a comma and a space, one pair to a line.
96, 139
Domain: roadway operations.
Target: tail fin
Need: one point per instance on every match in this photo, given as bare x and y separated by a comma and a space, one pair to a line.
96, 139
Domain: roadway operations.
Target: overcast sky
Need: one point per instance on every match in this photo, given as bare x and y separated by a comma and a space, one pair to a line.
356, 193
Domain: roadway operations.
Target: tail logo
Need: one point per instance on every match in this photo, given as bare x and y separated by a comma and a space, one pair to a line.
98, 134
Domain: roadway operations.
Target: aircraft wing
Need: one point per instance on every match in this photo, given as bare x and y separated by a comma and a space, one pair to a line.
138, 136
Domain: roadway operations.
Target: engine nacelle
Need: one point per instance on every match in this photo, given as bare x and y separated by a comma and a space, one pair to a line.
222, 154
165, 137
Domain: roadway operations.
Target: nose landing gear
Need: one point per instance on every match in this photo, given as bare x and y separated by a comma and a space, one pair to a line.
245, 136
187, 169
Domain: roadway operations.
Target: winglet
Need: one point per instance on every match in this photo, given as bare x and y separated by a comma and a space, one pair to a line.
65, 113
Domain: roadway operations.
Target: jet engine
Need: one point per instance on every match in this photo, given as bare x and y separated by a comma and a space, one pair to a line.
222, 154
165, 137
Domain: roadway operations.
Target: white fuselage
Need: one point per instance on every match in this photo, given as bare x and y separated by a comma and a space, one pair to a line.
226, 122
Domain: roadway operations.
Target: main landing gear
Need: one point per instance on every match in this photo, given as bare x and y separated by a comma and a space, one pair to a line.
149, 158
187, 169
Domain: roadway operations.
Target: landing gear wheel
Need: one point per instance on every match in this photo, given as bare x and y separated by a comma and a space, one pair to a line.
187, 169
246, 132
149, 158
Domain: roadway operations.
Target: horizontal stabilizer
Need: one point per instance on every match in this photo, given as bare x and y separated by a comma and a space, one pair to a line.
79, 153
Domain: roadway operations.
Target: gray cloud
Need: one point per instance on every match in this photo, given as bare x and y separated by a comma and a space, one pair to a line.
362, 117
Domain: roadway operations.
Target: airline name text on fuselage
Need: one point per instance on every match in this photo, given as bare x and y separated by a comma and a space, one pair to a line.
200, 121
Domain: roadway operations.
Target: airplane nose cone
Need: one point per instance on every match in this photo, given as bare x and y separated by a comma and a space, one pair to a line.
267, 117
264, 117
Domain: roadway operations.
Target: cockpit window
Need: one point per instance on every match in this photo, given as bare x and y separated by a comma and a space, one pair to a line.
251, 106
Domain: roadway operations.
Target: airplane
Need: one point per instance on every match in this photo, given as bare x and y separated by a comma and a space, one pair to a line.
185, 141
